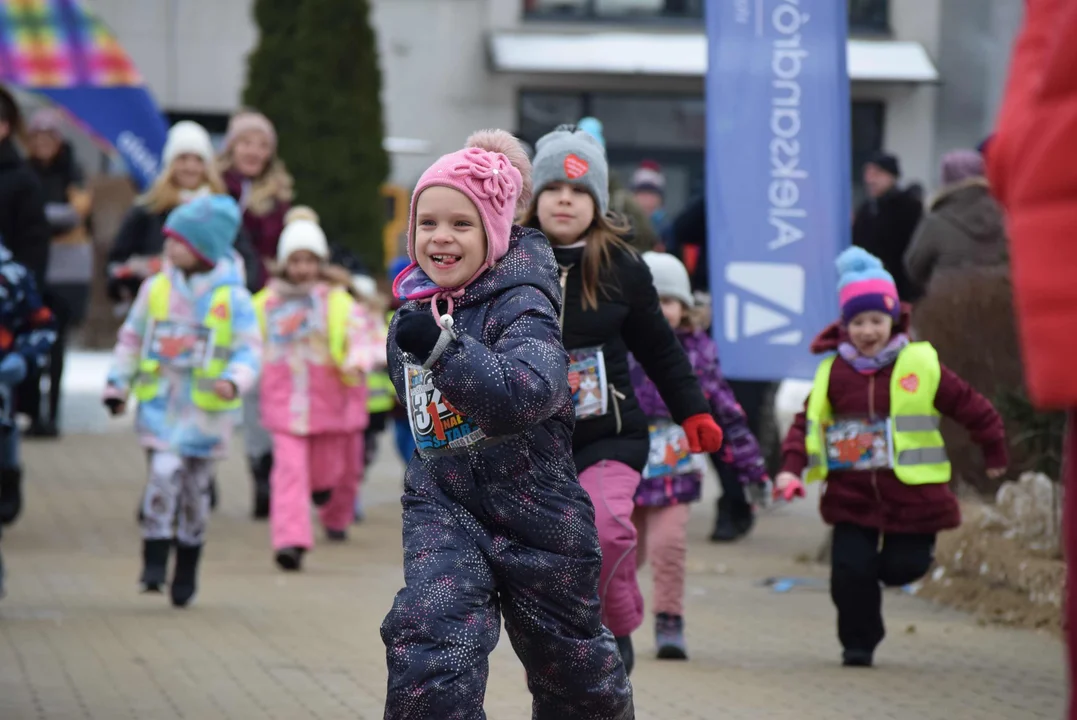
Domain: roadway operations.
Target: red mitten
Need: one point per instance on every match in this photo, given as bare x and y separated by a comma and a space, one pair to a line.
794, 488
704, 435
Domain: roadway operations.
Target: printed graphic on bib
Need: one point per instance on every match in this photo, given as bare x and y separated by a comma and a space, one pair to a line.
669, 454
438, 427
859, 445
587, 380
291, 320
179, 344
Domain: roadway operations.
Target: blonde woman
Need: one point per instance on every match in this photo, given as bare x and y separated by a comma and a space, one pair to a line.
188, 173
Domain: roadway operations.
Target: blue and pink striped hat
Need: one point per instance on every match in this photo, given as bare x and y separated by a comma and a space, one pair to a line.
865, 285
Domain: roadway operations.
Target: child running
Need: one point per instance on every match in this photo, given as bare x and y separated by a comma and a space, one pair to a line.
27, 332
610, 309
189, 347
871, 430
495, 520
319, 343
673, 478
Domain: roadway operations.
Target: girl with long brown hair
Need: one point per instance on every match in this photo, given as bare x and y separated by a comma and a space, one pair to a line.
610, 308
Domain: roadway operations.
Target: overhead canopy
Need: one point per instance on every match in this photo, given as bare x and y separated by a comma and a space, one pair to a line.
681, 54
62, 50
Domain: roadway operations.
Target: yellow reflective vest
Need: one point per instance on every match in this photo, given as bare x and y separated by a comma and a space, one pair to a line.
381, 395
919, 451
338, 312
218, 319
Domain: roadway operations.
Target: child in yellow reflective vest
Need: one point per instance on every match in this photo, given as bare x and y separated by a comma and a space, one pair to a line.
319, 345
871, 430
188, 349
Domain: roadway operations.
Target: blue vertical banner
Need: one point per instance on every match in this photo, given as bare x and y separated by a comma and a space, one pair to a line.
778, 179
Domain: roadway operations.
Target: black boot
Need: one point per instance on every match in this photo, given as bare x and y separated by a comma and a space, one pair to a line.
321, 498
290, 558
743, 517
185, 576
628, 655
857, 658
213, 493
261, 468
154, 564
10, 494
725, 529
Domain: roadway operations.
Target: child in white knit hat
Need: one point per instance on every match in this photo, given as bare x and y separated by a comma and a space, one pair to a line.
319, 344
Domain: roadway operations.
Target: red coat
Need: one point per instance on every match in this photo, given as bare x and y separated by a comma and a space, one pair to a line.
1032, 164
878, 499
263, 230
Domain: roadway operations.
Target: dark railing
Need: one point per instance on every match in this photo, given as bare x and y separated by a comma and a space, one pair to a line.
864, 15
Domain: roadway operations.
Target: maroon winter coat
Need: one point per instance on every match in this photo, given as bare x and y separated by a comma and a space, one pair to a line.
878, 499
263, 230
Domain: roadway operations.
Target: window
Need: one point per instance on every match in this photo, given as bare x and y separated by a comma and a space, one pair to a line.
872, 16
867, 138
613, 9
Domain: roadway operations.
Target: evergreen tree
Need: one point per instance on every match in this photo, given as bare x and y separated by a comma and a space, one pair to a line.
315, 74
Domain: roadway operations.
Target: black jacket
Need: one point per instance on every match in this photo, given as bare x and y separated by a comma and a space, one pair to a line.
884, 227
628, 319
23, 227
142, 235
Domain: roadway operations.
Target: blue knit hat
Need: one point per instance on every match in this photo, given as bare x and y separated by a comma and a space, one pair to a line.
208, 225
397, 265
865, 285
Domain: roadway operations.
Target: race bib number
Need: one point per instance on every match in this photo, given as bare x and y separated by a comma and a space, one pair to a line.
179, 344
669, 453
438, 427
859, 445
290, 320
587, 380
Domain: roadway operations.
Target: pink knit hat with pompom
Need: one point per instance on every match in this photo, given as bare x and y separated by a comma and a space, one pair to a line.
494, 173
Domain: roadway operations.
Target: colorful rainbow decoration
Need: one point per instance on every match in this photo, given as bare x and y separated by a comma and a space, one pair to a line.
61, 49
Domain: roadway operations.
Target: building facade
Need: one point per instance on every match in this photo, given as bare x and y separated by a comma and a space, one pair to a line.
925, 74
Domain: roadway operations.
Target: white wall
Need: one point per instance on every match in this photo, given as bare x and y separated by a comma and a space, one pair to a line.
191, 52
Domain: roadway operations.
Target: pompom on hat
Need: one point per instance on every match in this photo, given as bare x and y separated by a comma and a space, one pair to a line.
865, 285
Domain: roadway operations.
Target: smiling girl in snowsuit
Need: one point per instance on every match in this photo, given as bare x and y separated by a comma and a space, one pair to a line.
610, 309
495, 520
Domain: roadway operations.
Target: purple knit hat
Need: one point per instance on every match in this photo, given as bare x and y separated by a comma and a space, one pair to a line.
958, 165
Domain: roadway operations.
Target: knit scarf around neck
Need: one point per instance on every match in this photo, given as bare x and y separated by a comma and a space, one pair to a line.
871, 365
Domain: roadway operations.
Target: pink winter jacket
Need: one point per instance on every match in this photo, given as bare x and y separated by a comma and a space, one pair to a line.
302, 390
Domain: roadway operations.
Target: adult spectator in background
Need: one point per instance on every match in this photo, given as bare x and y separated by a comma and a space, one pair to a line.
885, 222
641, 235
70, 266
963, 225
1032, 165
257, 179
23, 228
649, 192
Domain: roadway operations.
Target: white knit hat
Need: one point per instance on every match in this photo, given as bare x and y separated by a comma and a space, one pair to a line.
187, 137
302, 234
670, 277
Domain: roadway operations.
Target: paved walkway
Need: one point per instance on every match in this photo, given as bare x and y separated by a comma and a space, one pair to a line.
78, 641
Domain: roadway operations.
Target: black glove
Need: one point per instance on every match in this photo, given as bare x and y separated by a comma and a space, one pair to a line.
417, 333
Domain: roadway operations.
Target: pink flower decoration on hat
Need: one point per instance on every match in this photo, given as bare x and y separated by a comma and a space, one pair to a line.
488, 176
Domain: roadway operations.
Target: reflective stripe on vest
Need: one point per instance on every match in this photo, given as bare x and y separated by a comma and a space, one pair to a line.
919, 451
219, 320
338, 315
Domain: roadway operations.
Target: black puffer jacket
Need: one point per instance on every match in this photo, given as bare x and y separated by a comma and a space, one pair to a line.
628, 319
23, 228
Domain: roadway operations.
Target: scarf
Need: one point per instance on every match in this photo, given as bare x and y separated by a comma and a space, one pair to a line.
871, 365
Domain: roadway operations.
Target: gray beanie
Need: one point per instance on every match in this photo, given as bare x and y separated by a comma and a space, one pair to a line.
570, 155
670, 277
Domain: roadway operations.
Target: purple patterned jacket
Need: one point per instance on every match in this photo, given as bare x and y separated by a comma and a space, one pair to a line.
740, 451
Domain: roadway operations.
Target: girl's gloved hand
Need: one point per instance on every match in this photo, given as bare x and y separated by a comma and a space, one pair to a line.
12, 369
417, 333
787, 486
704, 435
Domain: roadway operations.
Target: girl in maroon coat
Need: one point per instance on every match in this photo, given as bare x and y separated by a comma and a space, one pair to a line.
884, 525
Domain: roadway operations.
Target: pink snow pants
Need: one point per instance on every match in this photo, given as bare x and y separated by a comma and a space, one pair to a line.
302, 465
612, 487
663, 542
